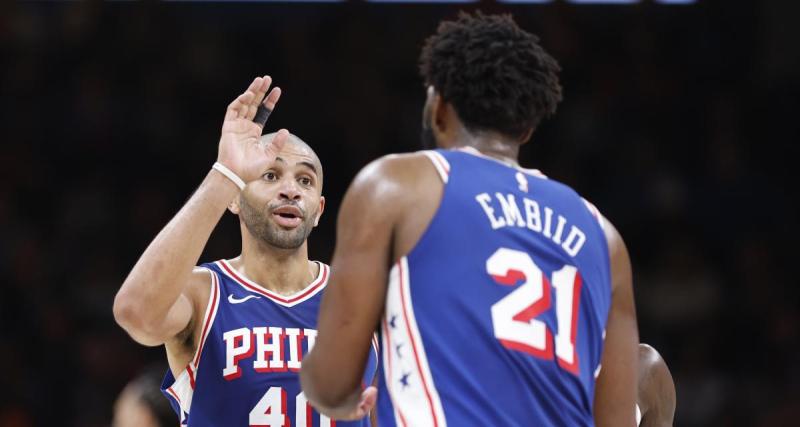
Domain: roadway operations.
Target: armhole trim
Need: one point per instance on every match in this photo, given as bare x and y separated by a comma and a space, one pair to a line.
595, 213
210, 315
440, 163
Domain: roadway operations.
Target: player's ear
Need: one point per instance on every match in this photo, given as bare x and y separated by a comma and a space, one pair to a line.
440, 123
234, 205
321, 209
526, 136
436, 103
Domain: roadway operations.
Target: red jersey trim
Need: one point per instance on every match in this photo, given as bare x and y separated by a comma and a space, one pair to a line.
316, 286
211, 313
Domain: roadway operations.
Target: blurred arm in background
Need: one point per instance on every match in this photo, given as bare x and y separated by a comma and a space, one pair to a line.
656, 399
615, 392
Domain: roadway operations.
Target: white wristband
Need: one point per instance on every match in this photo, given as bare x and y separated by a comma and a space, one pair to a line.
229, 174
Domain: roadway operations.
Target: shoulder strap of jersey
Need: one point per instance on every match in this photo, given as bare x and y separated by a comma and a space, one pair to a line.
181, 389
208, 317
440, 163
595, 213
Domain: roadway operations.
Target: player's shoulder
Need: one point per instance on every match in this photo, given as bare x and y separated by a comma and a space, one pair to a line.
393, 165
652, 367
393, 174
650, 359
199, 287
649, 355
656, 386
201, 277
391, 185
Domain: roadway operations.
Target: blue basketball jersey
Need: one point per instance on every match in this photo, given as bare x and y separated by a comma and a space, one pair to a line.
246, 369
497, 315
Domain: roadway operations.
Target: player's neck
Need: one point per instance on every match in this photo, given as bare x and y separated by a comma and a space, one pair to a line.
285, 271
493, 145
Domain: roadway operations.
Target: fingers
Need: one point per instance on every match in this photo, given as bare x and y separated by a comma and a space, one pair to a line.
239, 107
261, 90
368, 398
272, 99
266, 107
261, 86
274, 147
246, 104
262, 114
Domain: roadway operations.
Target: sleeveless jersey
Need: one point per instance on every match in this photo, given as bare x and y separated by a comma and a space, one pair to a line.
496, 317
246, 368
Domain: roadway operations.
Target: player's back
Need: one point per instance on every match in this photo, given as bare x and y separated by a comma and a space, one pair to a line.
246, 369
496, 316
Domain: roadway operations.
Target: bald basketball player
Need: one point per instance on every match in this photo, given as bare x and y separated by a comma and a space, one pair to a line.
236, 330
655, 403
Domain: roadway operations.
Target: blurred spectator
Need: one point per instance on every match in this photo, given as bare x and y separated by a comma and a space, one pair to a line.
141, 404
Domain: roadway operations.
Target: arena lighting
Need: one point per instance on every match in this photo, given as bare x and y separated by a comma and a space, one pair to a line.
425, 1
596, 2
628, 1
588, 2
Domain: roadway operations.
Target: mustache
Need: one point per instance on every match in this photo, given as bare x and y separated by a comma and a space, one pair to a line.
271, 207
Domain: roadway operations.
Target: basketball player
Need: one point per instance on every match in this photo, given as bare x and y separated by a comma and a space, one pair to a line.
236, 330
655, 405
492, 285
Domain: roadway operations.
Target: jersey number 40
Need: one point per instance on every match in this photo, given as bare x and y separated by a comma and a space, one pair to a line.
270, 411
514, 316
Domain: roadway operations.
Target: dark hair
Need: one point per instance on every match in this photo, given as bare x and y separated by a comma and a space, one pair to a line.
495, 74
147, 387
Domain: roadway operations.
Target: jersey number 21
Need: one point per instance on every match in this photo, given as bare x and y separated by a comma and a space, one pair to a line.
514, 316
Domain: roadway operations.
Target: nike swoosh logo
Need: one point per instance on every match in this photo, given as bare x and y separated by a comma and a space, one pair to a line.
233, 300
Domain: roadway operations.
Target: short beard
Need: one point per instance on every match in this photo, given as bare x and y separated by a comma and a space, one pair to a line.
259, 225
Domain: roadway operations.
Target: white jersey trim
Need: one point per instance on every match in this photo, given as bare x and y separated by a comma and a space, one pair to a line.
595, 213
532, 172
440, 163
389, 376
316, 286
375, 349
209, 316
638, 415
182, 390
408, 377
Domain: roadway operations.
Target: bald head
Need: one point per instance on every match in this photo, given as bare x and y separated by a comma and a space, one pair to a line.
297, 146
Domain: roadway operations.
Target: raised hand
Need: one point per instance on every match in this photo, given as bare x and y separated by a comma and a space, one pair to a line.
239, 147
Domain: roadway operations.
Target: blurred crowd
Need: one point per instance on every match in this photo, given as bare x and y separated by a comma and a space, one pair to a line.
678, 123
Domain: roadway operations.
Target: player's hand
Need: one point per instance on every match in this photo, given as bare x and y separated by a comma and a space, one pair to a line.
365, 404
239, 147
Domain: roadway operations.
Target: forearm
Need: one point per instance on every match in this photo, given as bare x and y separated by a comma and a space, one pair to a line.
348, 401
333, 370
332, 373
159, 276
336, 407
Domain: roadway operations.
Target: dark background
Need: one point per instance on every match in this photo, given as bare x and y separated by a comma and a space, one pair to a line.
679, 123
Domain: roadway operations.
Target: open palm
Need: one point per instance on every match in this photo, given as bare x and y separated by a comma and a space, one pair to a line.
239, 145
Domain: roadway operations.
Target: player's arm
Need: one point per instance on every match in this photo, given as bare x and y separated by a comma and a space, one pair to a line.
615, 392
354, 299
157, 302
656, 389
